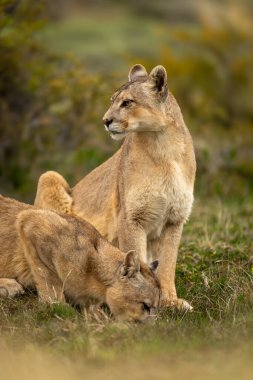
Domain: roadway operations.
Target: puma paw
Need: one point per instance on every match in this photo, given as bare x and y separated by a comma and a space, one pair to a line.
178, 303
10, 288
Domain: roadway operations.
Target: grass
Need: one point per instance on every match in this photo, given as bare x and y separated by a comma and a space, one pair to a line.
214, 272
105, 41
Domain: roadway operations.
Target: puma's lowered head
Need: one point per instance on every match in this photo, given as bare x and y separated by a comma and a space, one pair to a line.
140, 104
69, 258
135, 293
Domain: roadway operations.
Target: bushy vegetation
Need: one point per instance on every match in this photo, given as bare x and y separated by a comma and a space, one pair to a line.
49, 105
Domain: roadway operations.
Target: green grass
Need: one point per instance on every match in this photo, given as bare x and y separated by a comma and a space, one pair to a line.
107, 41
214, 272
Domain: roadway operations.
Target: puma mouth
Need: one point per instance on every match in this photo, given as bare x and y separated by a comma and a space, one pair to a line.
113, 131
115, 135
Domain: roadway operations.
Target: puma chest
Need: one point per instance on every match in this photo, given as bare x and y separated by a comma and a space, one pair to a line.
159, 201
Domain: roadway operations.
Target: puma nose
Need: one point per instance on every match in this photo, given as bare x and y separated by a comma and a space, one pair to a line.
107, 122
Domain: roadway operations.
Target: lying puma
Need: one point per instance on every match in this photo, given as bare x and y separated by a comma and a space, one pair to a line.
64, 256
141, 197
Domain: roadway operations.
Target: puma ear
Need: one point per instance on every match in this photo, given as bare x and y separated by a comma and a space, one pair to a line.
154, 265
158, 78
137, 72
131, 264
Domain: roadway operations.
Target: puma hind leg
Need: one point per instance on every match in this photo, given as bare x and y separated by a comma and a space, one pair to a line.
54, 193
38, 253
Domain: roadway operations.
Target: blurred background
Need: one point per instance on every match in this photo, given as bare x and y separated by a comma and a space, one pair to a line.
61, 60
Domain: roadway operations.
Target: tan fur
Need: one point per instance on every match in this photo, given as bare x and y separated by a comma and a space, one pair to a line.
54, 193
140, 198
65, 257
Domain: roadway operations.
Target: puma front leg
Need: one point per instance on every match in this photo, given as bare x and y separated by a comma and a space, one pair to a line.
132, 236
10, 287
167, 248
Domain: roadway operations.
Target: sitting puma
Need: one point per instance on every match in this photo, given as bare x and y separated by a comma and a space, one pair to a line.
64, 256
141, 197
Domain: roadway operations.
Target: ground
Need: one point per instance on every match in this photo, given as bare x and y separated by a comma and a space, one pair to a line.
214, 273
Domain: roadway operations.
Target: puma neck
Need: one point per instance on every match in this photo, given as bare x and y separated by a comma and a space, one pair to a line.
161, 146
106, 263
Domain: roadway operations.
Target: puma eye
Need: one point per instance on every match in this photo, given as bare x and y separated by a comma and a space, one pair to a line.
146, 307
126, 103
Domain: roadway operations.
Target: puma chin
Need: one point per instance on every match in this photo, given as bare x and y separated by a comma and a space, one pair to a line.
116, 132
